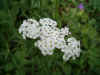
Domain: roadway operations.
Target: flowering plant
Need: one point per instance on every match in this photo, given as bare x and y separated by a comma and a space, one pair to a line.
43, 37
51, 37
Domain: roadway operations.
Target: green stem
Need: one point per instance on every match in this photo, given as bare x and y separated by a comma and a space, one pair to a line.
57, 16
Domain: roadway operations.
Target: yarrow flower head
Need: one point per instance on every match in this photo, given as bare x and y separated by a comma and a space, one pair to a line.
51, 37
30, 28
72, 49
48, 22
46, 46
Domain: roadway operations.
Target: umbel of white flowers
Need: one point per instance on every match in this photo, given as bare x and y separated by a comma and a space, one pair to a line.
51, 37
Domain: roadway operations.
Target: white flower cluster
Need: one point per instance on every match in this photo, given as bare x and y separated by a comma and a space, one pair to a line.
51, 37
30, 28
72, 49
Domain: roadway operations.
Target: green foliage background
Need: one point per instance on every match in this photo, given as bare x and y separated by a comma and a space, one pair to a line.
20, 57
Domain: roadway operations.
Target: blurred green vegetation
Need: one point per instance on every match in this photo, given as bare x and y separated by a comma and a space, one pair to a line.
20, 57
